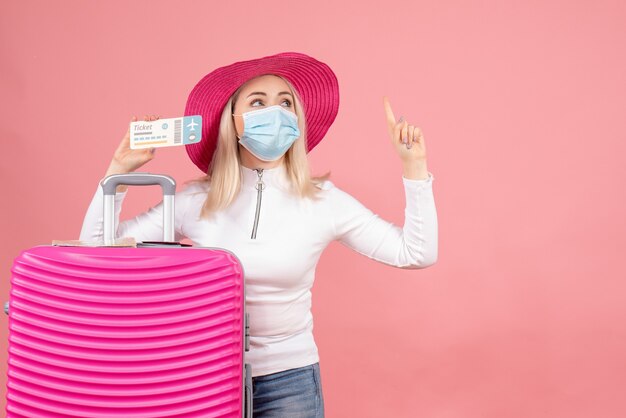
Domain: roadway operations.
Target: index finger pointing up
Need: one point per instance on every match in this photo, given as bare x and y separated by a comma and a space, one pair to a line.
391, 119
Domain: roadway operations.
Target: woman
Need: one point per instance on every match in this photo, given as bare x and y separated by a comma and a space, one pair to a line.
258, 200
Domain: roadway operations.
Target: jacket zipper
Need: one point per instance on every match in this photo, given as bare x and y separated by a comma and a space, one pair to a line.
259, 186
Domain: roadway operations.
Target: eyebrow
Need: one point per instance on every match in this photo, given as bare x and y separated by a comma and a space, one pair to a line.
264, 94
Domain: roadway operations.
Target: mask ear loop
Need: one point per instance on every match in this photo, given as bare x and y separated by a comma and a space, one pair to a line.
232, 114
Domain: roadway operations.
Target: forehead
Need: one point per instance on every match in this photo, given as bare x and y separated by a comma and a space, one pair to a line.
265, 82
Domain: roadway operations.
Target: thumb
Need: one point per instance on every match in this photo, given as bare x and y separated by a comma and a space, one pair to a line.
397, 129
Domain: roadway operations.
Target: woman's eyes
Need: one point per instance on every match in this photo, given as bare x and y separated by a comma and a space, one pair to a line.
261, 101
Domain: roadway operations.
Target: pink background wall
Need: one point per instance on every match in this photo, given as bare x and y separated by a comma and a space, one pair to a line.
522, 107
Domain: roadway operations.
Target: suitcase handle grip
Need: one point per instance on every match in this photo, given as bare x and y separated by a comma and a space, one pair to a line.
109, 185
167, 183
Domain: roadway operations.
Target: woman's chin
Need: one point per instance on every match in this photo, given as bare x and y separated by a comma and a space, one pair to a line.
252, 161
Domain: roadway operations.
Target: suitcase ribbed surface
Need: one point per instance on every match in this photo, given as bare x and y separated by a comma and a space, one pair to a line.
125, 332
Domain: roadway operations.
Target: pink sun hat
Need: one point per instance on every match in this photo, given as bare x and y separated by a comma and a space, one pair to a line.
313, 80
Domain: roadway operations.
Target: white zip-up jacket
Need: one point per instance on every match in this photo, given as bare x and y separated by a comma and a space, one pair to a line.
279, 262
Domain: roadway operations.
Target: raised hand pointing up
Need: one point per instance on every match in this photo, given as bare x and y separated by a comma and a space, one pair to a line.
407, 139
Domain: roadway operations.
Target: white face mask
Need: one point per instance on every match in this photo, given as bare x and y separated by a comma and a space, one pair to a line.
269, 132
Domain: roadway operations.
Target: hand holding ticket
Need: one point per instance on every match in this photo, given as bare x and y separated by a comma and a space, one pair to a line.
166, 132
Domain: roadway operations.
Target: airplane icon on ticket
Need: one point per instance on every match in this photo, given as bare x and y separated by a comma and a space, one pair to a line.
192, 124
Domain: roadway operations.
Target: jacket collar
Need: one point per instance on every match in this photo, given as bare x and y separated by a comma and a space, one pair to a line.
276, 177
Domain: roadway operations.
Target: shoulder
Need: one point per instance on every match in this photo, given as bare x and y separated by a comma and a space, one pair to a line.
325, 185
329, 191
192, 191
194, 187
335, 194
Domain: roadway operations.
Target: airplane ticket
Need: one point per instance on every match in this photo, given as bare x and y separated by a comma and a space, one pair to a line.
166, 132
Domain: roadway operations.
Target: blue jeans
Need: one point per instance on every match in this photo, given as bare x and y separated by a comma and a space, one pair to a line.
294, 393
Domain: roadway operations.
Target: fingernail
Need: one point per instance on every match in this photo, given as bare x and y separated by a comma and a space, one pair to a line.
404, 140
401, 119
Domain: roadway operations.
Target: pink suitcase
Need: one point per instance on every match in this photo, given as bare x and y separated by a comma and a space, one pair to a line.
154, 331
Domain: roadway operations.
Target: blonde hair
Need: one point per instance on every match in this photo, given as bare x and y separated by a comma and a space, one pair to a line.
224, 173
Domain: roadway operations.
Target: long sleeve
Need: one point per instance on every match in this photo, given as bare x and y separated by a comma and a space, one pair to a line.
412, 246
147, 226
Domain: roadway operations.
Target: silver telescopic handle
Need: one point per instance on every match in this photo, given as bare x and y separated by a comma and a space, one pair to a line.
109, 185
